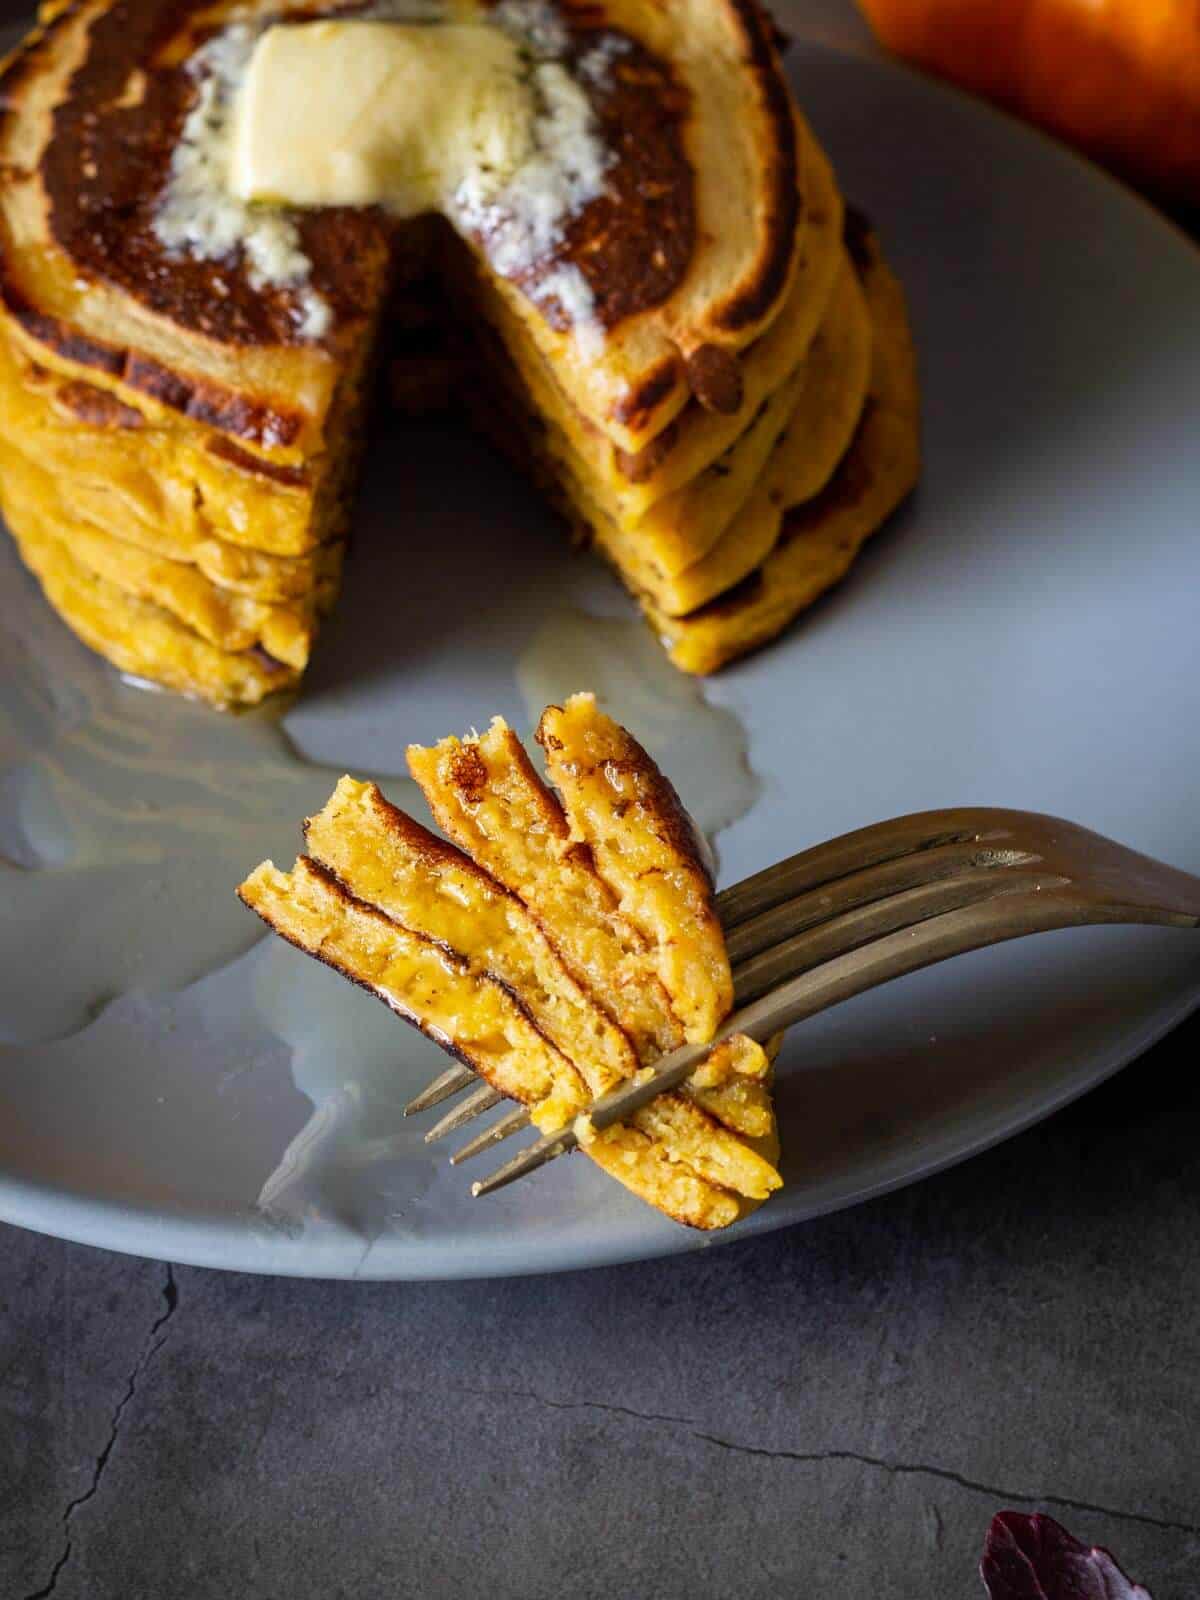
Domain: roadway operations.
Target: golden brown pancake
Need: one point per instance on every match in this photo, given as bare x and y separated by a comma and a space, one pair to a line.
493, 972
485, 794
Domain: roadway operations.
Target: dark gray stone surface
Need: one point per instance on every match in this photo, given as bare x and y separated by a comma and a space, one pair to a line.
837, 1410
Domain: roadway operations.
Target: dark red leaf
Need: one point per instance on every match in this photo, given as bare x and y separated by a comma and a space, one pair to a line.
1035, 1558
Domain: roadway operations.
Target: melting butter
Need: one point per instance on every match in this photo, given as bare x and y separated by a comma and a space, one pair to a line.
479, 120
365, 113
199, 215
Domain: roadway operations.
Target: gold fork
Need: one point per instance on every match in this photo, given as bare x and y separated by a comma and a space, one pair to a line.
857, 911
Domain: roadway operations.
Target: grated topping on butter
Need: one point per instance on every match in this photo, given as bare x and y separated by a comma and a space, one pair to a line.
201, 216
596, 64
523, 218
535, 24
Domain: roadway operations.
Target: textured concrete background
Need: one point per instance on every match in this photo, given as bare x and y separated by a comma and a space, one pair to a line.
835, 1411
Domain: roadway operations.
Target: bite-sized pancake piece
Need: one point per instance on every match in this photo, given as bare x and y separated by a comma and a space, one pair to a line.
671, 1186
734, 1084
485, 794
820, 539
469, 1014
436, 892
387, 860
690, 1136
426, 928
645, 847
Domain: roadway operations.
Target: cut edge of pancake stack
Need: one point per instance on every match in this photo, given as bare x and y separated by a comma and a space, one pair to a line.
198, 551
729, 522
559, 945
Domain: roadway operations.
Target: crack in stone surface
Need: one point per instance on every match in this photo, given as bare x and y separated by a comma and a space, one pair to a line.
153, 1342
925, 1470
584, 1405
877, 1463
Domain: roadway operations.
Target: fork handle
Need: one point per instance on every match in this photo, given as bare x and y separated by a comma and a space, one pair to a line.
953, 933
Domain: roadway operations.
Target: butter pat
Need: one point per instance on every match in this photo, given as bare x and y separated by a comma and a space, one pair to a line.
366, 113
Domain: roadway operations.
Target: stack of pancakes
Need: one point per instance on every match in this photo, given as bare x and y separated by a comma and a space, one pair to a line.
560, 945
729, 420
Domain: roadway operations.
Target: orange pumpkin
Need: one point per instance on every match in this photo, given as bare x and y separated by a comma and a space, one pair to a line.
1120, 78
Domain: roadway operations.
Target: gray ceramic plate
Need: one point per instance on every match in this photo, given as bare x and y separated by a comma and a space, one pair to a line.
1024, 635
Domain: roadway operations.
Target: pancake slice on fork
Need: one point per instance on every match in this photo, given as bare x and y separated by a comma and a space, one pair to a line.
385, 901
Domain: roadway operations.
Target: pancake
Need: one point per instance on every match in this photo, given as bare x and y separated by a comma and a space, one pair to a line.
181, 486
631, 482
465, 1011
723, 86
709, 535
104, 77
485, 795
484, 971
393, 863
387, 860
222, 616
824, 408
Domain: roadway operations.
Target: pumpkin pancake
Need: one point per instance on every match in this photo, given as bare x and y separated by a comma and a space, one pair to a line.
701, 540
488, 971
825, 407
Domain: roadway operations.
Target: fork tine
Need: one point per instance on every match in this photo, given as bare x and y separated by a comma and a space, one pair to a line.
852, 852
475, 1104
770, 928
547, 1149
511, 1122
443, 1086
